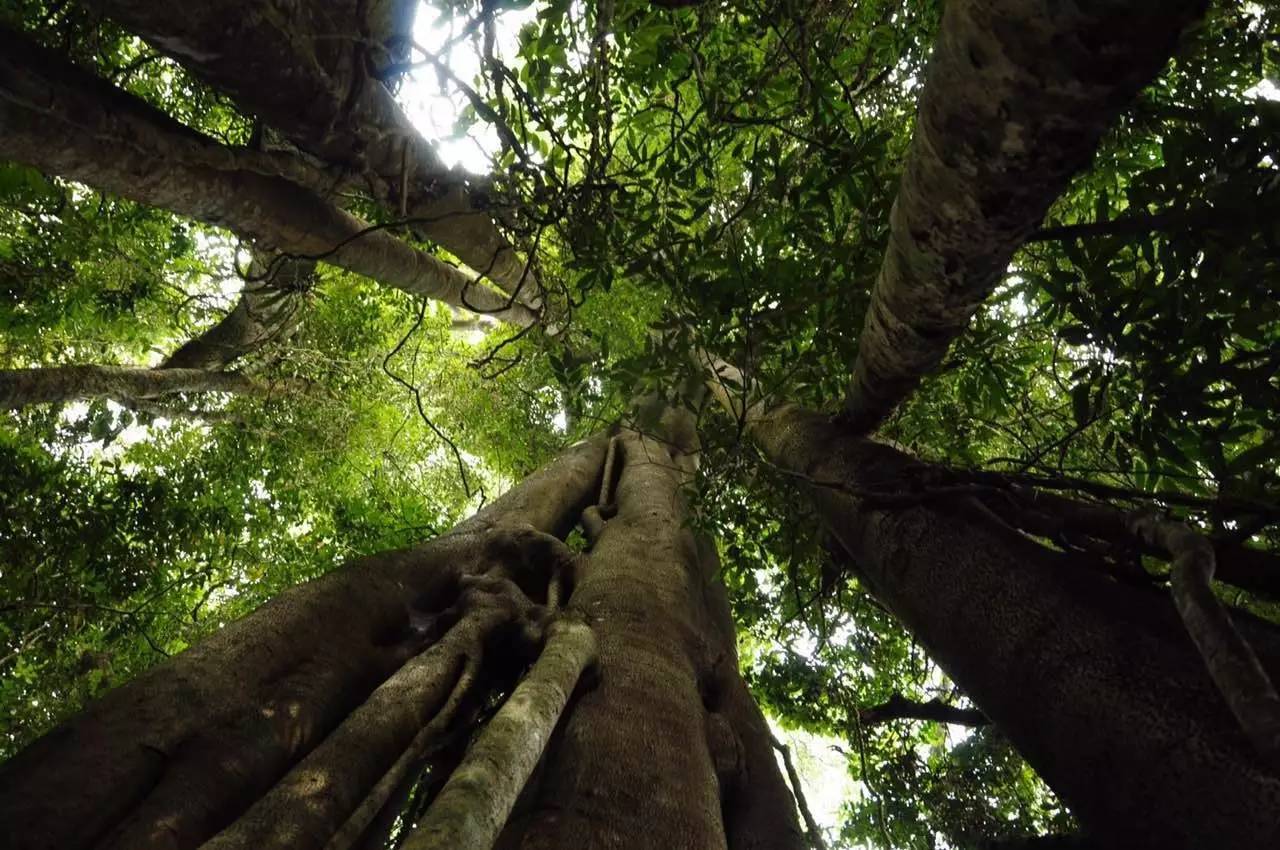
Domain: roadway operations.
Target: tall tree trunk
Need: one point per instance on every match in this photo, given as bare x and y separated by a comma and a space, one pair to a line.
669, 749
293, 727
184, 750
67, 122
1018, 96
125, 384
1095, 682
332, 105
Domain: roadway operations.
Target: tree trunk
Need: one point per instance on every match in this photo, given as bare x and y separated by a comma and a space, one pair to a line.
332, 106
294, 727
181, 752
669, 749
1018, 96
67, 122
125, 384
1095, 682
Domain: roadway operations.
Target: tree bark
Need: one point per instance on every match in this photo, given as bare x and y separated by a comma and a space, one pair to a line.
181, 752
1018, 96
125, 384
331, 105
1095, 682
668, 749
65, 121
292, 727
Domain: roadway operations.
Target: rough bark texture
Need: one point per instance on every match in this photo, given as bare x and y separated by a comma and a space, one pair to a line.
266, 311
1095, 682
474, 804
179, 753
294, 726
331, 104
1019, 94
125, 384
668, 749
65, 121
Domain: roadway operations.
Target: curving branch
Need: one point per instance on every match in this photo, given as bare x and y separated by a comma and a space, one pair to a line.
898, 707
65, 121
332, 105
1235, 668
1019, 94
267, 310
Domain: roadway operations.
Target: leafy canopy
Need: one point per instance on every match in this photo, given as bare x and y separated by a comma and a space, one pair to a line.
723, 172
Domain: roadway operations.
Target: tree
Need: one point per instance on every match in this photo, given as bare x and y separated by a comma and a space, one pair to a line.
686, 211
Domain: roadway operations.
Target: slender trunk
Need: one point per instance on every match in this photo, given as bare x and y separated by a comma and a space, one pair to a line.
1019, 94
266, 311
1094, 681
65, 121
125, 384
331, 106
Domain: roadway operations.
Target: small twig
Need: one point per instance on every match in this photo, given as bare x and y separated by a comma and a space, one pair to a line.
417, 397
812, 830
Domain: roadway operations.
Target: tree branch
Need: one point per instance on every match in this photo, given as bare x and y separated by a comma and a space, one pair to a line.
332, 106
898, 707
812, 831
266, 310
68, 122
1232, 663
1009, 113
60, 384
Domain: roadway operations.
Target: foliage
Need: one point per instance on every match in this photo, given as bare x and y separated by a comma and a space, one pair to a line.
722, 173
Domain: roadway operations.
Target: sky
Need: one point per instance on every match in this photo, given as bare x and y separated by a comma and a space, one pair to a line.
434, 109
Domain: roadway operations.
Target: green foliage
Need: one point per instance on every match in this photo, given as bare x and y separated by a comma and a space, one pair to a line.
721, 174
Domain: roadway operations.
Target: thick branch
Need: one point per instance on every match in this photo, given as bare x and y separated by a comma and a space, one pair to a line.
267, 310
125, 384
331, 105
1018, 96
65, 121
897, 707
